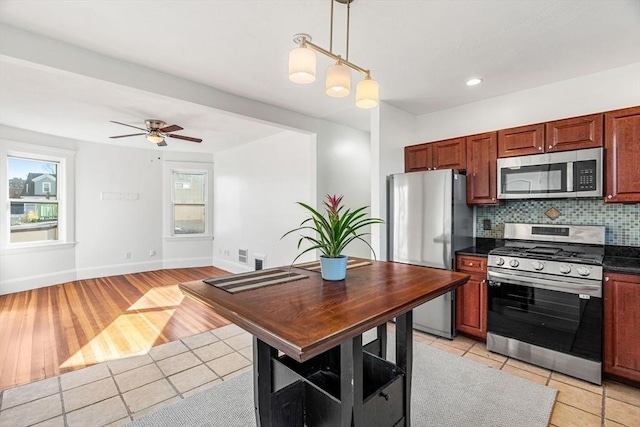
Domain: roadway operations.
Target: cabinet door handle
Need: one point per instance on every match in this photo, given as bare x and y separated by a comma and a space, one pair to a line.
484, 281
470, 264
539, 148
609, 196
606, 279
550, 147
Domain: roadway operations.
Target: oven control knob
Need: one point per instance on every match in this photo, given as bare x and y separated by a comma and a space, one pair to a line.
498, 260
583, 271
537, 265
514, 263
565, 269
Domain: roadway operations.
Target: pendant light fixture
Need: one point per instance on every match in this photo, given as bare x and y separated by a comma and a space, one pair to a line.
302, 68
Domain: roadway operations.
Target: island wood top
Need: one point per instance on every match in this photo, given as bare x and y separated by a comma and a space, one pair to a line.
307, 317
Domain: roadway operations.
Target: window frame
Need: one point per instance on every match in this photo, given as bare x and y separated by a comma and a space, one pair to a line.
65, 194
194, 168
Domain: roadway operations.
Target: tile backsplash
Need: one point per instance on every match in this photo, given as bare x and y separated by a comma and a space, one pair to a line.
622, 221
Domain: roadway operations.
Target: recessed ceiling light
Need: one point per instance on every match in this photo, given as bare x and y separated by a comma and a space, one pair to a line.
473, 82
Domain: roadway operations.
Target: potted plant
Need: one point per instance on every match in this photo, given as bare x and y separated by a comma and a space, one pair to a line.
332, 232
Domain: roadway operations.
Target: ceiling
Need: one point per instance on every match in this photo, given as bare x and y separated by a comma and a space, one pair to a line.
421, 52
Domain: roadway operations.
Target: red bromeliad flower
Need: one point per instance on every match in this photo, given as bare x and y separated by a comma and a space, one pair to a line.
333, 207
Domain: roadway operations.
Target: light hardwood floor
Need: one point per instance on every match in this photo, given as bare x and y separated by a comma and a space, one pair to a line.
57, 329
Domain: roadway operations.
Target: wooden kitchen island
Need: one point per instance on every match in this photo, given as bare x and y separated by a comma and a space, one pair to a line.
324, 376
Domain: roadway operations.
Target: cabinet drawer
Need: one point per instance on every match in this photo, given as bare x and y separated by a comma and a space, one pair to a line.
471, 264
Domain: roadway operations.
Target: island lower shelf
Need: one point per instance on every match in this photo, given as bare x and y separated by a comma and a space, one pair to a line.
308, 393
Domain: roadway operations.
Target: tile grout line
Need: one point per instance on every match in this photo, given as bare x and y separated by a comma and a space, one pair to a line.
603, 410
120, 394
64, 413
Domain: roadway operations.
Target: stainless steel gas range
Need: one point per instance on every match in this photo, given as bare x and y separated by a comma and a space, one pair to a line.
545, 297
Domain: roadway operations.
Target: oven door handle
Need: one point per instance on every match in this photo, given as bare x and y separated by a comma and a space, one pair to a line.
552, 285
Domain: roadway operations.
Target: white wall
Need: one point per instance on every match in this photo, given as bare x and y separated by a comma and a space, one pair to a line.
594, 93
108, 228
256, 186
344, 168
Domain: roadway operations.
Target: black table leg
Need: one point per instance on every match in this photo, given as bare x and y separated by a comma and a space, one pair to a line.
382, 336
404, 357
262, 381
351, 383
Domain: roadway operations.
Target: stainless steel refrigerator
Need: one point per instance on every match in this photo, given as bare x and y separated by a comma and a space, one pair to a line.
428, 221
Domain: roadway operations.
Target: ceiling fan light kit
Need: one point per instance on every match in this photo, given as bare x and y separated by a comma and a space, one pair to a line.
154, 137
156, 131
302, 68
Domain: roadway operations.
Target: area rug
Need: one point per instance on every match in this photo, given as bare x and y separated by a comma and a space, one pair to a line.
447, 390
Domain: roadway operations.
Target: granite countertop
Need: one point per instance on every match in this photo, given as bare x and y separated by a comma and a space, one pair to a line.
622, 259
482, 247
618, 264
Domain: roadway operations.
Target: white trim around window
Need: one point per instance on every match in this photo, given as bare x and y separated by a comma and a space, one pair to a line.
204, 170
65, 197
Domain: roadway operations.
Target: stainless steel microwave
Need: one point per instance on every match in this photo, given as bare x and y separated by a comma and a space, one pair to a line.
567, 174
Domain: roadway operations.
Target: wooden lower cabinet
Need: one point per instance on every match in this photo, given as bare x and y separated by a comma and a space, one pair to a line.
471, 298
622, 325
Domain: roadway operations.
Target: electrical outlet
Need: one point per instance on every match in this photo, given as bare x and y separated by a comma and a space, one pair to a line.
127, 255
486, 224
152, 252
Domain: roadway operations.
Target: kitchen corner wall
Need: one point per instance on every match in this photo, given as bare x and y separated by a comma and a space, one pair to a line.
622, 221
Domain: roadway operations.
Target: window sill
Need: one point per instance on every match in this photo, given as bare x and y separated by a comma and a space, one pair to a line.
188, 238
37, 248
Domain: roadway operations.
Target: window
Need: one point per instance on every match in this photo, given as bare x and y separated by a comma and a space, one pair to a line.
188, 193
189, 197
37, 195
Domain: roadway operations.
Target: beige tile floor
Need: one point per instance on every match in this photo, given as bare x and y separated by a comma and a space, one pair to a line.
116, 392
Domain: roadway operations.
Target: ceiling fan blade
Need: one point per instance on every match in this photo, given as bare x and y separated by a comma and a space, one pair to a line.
186, 138
162, 144
124, 124
132, 134
171, 128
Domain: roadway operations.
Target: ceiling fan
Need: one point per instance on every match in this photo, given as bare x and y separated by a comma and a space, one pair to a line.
156, 132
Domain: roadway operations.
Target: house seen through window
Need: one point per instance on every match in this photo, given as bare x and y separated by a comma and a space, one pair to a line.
33, 196
189, 202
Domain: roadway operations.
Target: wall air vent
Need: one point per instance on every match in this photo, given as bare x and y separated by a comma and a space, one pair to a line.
242, 255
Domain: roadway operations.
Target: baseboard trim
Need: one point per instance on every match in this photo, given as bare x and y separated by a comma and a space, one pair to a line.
36, 282
229, 266
187, 262
117, 269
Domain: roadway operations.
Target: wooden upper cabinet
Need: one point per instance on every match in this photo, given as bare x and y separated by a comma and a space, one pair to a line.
417, 158
521, 141
482, 154
575, 133
447, 154
621, 353
621, 152
450, 154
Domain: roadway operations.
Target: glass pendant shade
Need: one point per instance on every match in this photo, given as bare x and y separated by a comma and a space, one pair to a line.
338, 84
302, 65
367, 93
